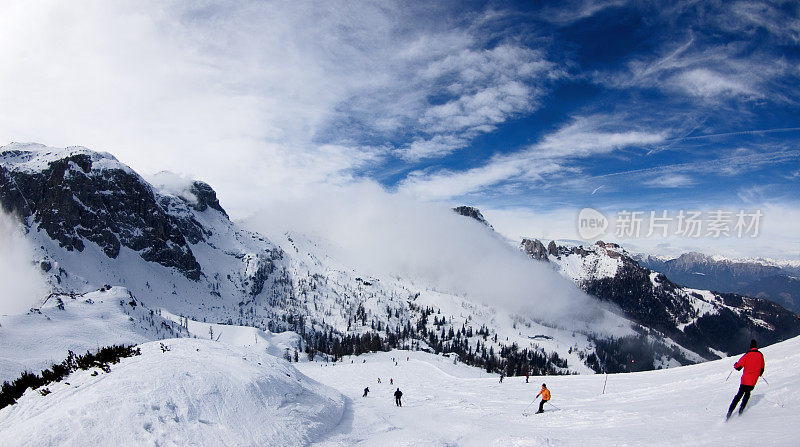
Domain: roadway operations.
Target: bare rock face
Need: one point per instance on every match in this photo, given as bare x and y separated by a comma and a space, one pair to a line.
535, 249
471, 212
78, 195
552, 249
206, 197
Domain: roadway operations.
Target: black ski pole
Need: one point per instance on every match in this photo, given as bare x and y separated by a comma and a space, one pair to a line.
604, 384
765, 380
729, 375
553, 405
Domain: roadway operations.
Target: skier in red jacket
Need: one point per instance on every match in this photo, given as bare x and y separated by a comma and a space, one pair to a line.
753, 364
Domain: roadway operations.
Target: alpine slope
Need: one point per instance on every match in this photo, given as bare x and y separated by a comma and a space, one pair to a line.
202, 392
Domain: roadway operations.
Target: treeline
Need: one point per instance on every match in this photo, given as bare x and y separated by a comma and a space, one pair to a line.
630, 354
103, 359
470, 346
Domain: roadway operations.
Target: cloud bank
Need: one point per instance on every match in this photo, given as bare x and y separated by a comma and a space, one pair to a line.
21, 286
393, 234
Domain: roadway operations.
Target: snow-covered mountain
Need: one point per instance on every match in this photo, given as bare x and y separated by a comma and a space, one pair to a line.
94, 223
707, 323
764, 278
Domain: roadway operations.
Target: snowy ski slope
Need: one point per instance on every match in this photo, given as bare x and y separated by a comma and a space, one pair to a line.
213, 393
678, 406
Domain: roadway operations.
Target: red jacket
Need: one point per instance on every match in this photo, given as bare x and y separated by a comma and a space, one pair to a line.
753, 364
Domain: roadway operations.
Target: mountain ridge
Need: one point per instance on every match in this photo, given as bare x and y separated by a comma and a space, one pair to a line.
291, 283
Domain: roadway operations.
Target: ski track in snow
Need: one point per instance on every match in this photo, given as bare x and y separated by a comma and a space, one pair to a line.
679, 406
240, 395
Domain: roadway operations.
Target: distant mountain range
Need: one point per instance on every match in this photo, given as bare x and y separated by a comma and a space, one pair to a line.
94, 223
705, 322
767, 279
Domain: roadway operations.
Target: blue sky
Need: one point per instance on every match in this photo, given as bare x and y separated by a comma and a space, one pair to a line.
528, 110
693, 105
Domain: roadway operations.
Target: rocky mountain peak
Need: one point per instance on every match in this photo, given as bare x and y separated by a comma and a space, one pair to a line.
472, 212
206, 197
535, 249
79, 196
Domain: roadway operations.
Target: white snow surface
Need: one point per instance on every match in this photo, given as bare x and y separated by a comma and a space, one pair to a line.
598, 263
35, 157
37, 339
199, 392
678, 406
203, 392
242, 336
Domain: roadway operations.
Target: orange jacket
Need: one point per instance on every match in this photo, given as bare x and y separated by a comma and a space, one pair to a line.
545, 393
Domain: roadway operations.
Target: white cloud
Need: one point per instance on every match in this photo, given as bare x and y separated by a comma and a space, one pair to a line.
689, 65
439, 145
21, 286
569, 12
707, 83
668, 180
748, 16
583, 137
380, 233
777, 236
258, 96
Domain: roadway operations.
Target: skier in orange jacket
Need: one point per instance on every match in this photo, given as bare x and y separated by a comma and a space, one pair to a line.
753, 364
545, 393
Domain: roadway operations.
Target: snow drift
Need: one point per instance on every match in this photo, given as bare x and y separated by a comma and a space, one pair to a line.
198, 392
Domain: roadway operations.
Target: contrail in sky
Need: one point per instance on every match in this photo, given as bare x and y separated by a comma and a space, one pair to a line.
672, 141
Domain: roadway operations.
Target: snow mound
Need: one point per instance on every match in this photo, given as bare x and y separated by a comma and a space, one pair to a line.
276, 344
199, 392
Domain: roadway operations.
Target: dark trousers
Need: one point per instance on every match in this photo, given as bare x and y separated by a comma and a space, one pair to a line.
541, 406
744, 391
397, 402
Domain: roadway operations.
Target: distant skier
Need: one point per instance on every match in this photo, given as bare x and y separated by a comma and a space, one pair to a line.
397, 395
501, 377
366, 391
391, 381
527, 376
545, 393
379, 380
753, 364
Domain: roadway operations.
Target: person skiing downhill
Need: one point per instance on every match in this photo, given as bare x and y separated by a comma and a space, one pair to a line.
527, 376
545, 393
391, 381
397, 395
366, 391
753, 364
